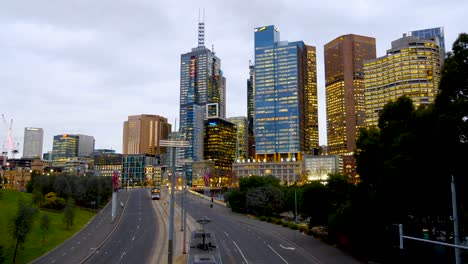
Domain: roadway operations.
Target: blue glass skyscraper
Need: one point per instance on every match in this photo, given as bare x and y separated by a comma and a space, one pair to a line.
285, 97
430, 33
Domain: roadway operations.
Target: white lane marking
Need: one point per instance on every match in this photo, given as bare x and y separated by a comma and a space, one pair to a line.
139, 219
53, 261
72, 248
240, 251
133, 238
123, 254
138, 227
289, 248
78, 242
64, 253
277, 254
226, 234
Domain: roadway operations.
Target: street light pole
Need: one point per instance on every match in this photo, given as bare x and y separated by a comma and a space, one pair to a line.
173, 144
171, 217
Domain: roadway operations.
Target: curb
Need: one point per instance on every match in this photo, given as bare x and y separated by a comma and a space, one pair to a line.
207, 198
108, 236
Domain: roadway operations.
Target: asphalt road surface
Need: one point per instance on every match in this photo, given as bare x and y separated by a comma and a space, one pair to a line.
136, 236
241, 239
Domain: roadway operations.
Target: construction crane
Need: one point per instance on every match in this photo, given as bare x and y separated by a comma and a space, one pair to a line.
9, 147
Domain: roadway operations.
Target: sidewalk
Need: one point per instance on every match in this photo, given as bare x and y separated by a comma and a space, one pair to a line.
85, 242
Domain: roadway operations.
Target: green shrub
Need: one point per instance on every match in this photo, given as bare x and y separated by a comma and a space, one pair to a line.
52, 201
262, 218
269, 219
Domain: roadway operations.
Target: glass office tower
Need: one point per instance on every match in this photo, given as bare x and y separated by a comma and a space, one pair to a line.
201, 83
429, 33
283, 95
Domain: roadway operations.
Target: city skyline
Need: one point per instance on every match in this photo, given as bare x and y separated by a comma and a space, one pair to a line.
74, 70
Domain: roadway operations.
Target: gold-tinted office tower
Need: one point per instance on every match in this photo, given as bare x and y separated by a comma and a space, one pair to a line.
311, 101
141, 134
344, 83
411, 68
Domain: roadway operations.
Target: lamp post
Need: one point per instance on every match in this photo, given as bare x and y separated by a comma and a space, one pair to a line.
173, 144
183, 210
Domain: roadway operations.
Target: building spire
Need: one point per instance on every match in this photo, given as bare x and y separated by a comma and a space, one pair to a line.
201, 29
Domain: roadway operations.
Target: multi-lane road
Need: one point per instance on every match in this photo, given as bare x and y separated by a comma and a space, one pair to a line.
135, 239
141, 232
241, 239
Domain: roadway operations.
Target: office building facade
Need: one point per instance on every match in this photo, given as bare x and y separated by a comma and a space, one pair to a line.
344, 85
68, 146
33, 142
141, 134
64, 147
430, 33
283, 87
242, 136
85, 145
201, 83
411, 68
318, 168
250, 111
138, 168
220, 144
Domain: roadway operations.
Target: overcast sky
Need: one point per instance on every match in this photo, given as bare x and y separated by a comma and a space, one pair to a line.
84, 66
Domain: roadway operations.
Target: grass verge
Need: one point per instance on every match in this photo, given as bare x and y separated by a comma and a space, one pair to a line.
35, 246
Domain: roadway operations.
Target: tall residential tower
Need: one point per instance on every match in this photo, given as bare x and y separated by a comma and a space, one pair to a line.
344, 84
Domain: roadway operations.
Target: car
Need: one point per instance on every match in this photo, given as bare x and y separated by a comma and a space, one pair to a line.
155, 194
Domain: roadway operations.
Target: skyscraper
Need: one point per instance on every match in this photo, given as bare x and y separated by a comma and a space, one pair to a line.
141, 134
344, 84
250, 111
242, 136
411, 68
201, 83
33, 141
429, 33
284, 91
68, 146
220, 144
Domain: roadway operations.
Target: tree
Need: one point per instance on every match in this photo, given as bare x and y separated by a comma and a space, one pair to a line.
45, 224
264, 200
315, 203
69, 214
21, 224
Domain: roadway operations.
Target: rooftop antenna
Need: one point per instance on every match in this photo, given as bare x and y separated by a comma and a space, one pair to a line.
201, 29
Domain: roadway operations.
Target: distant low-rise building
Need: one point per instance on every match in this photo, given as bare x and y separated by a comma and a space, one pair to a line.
106, 163
287, 172
317, 168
